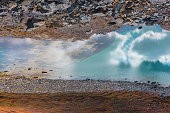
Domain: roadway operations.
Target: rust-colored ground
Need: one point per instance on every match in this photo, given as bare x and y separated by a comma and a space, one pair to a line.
18, 110
95, 102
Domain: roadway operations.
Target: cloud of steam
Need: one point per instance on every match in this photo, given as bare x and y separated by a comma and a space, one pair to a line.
137, 46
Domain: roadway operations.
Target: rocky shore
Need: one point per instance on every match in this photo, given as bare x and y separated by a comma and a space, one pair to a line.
77, 19
21, 84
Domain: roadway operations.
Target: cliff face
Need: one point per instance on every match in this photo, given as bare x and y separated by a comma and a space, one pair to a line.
75, 18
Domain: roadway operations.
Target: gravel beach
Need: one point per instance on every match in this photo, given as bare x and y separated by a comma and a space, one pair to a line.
22, 84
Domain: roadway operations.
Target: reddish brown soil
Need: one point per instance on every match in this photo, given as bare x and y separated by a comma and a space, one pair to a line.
95, 102
98, 25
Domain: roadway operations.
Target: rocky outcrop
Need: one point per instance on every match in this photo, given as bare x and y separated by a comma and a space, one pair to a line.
74, 18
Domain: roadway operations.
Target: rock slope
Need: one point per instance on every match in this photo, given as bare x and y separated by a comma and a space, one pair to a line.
76, 19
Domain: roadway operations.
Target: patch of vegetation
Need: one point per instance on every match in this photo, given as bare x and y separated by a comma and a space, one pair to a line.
119, 101
4, 75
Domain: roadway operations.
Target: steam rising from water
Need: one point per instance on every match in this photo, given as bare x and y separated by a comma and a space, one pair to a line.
21, 54
139, 54
137, 46
135, 54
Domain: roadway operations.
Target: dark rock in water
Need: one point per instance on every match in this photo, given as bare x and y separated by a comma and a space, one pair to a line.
88, 79
5, 71
140, 27
44, 72
111, 23
153, 83
135, 82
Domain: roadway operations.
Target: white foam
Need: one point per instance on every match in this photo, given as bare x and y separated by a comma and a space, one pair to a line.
137, 46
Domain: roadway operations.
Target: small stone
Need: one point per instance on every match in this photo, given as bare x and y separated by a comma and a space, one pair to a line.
44, 72
111, 23
140, 27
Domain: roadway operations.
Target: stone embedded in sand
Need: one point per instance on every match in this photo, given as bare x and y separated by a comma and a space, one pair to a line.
44, 72
111, 23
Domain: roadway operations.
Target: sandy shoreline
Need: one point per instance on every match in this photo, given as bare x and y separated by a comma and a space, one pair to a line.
21, 84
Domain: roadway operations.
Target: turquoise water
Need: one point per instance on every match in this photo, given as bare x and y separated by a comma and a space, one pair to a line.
129, 53
135, 54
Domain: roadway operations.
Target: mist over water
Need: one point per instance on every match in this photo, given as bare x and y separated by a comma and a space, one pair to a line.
17, 55
131, 53
136, 54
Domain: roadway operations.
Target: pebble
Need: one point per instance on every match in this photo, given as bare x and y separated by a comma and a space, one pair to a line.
36, 85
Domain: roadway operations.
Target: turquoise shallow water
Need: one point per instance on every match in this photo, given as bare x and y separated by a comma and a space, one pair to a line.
135, 54
129, 53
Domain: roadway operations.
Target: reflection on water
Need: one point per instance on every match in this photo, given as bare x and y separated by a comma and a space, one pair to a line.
18, 55
132, 53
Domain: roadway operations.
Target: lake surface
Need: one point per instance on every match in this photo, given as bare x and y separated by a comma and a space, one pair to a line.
129, 53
